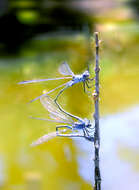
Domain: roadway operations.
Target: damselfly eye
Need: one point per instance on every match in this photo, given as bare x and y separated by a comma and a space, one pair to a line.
86, 74
73, 77
88, 125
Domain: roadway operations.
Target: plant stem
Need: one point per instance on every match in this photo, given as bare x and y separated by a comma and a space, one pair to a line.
96, 117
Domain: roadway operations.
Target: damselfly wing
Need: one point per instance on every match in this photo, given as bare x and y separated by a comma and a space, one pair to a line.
42, 80
51, 120
56, 115
46, 138
54, 111
64, 69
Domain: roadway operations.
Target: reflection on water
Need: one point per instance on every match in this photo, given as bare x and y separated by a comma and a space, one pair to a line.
119, 152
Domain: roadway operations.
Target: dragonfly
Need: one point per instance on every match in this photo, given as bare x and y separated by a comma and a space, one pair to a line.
65, 70
67, 122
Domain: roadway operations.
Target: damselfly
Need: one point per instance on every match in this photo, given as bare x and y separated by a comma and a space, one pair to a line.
69, 122
64, 69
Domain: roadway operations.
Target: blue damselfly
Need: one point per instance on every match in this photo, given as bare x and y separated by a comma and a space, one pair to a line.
79, 127
64, 69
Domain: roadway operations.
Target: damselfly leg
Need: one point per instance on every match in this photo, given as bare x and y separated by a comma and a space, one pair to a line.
88, 81
85, 90
87, 135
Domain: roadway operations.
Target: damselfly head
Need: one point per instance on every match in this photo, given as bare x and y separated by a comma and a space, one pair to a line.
86, 74
87, 122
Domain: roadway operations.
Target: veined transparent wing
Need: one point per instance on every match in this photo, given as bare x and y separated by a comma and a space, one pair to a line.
44, 119
44, 138
64, 69
55, 113
42, 80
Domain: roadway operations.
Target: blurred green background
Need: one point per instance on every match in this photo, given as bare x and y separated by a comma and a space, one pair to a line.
35, 38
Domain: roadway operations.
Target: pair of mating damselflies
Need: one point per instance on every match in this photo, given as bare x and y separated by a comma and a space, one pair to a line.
57, 113
68, 121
